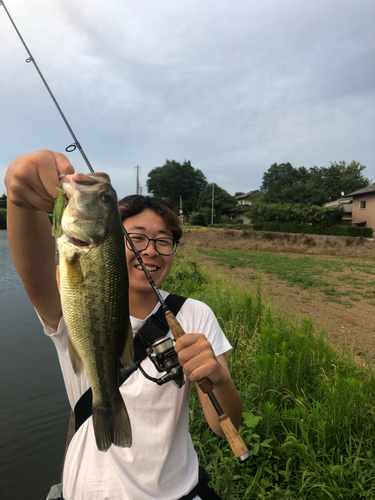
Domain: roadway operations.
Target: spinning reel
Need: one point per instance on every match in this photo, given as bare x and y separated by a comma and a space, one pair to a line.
165, 359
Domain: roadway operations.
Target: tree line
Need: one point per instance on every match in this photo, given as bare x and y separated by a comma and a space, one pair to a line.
175, 182
316, 186
281, 184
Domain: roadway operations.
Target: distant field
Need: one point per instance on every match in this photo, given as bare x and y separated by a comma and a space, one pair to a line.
341, 280
330, 280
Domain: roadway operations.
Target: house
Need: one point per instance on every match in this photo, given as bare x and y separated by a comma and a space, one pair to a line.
364, 207
347, 203
243, 202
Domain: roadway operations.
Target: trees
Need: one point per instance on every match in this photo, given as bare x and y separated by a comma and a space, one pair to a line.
224, 202
316, 186
276, 179
352, 178
283, 183
3, 216
173, 180
339, 178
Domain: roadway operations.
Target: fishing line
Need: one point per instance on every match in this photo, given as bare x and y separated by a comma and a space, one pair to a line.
238, 446
75, 145
30, 59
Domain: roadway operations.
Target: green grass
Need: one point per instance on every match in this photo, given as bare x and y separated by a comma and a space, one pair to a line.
306, 271
308, 408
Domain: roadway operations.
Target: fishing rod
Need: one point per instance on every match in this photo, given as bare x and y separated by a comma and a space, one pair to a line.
234, 439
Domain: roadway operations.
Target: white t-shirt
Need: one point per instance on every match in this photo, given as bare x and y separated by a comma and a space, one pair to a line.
161, 463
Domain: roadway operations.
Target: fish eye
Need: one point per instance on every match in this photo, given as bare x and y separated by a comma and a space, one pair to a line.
106, 198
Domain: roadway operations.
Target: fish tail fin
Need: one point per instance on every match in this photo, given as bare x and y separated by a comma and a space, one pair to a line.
112, 425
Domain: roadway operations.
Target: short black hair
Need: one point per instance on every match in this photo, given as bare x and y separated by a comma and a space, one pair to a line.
134, 204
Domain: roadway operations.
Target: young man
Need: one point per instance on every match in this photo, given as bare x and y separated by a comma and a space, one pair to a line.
162, 463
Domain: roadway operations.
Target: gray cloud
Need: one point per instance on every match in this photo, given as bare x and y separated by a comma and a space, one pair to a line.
231, 86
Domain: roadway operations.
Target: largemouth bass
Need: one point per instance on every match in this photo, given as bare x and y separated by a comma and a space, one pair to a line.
93, 280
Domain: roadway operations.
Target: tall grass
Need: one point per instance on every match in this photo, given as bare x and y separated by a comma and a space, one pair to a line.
308, 417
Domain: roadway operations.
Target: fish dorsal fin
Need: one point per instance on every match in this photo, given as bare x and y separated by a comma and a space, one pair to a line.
76, 361
127, 355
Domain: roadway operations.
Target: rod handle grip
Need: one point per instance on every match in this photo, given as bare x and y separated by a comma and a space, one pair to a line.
234, 439
205, 385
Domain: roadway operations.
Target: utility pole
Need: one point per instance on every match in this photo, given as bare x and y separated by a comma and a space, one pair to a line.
138, 187
212, 209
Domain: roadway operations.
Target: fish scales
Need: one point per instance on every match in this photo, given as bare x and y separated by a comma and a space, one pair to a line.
94, 296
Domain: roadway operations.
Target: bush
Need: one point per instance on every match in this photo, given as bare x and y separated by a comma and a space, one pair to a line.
238, 226
298, 213
294, 227
3, 218
197, 219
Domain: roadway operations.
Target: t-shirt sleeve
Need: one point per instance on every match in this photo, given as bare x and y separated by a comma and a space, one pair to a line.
75, 386
59, 336
198, 317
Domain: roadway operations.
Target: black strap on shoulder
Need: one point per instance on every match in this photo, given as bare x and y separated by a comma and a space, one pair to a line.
155, 328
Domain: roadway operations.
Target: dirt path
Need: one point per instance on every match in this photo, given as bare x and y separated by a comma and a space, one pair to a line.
354, 326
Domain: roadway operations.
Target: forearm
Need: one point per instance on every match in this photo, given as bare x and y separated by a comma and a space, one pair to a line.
32, 244
31, 182
33, 253
198, 360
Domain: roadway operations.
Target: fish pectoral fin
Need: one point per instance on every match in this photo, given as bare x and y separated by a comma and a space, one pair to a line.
127, 355
76, 361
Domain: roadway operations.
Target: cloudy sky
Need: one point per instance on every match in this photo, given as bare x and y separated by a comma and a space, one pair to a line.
233, 86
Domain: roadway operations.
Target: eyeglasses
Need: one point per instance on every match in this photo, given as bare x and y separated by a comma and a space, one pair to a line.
164, 246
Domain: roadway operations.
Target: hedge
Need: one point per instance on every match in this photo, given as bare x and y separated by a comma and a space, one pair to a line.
294, 227
295, 212
3, 218
232, 226
279, 227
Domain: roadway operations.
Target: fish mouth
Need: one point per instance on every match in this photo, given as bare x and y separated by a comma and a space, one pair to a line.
82, 182
77, 243
73, 239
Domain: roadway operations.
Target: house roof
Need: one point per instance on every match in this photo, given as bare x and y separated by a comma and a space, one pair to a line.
341, 202
246, 195
368, 189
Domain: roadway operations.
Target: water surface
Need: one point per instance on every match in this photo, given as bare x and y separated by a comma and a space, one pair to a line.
34, 411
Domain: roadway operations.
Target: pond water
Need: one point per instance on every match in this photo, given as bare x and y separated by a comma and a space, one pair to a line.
34, 410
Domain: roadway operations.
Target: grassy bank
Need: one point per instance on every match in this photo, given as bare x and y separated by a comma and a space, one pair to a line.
308, 408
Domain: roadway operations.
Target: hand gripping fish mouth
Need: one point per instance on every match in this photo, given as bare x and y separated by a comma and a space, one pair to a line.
93, 280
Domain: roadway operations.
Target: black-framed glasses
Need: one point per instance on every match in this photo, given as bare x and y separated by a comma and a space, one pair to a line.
164, 246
